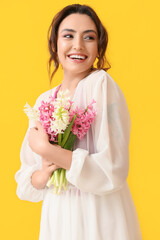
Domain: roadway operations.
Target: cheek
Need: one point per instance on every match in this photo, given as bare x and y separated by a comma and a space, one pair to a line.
62, 46
94, 51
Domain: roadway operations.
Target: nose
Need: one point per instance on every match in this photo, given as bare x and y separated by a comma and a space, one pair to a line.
78, 43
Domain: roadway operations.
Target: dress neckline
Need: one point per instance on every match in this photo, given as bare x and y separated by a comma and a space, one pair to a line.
76, 89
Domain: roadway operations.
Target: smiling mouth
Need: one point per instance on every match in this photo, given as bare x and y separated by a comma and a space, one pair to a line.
77, 57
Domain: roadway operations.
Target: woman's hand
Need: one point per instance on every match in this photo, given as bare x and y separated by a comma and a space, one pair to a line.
48, 167
39, 143
40, 178
38, 139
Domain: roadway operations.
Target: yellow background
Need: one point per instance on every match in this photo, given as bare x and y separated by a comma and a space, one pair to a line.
133, 52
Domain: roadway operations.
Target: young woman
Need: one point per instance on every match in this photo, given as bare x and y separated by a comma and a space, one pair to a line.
98, 204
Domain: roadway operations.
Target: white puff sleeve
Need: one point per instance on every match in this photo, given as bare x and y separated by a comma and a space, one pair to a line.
106, 169
30, 162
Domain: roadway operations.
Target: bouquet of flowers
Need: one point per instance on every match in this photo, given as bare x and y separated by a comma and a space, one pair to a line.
64, 123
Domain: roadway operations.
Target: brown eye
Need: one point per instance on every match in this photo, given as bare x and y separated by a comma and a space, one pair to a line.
68, 36
89, 38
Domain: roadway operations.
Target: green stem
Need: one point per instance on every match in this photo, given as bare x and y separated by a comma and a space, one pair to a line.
62, 176
56, 172
51, 180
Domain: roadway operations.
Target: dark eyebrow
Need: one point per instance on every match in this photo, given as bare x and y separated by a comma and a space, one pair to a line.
71, 30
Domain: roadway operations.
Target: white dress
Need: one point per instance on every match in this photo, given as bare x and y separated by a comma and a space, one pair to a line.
98, 204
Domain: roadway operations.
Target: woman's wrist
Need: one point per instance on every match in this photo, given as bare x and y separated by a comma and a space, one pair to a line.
40, 178
57, 155
46, 149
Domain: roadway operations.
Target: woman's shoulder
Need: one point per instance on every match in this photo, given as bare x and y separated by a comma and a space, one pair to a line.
100, 77
101, 81
98, 73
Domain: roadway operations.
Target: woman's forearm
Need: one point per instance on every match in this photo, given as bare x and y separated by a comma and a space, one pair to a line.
39, 179
57, 155
39, 143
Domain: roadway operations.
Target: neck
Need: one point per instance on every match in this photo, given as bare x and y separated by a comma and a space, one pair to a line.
70, 80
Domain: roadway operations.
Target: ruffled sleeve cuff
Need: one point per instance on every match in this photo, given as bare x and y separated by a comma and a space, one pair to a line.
25, 189
78, 159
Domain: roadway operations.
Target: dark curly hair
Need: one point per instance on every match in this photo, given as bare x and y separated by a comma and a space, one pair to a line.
53, 31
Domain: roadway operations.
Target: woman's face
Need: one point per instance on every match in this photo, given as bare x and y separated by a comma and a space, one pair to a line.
77, 43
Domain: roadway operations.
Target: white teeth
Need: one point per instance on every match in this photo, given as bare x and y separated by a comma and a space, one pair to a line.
77, 56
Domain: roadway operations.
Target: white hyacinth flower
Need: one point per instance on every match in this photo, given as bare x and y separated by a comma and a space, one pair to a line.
62, 99
61, 120
32, 113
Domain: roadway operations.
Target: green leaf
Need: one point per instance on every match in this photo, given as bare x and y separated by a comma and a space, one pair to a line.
59, 139
70, 141
67, 131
